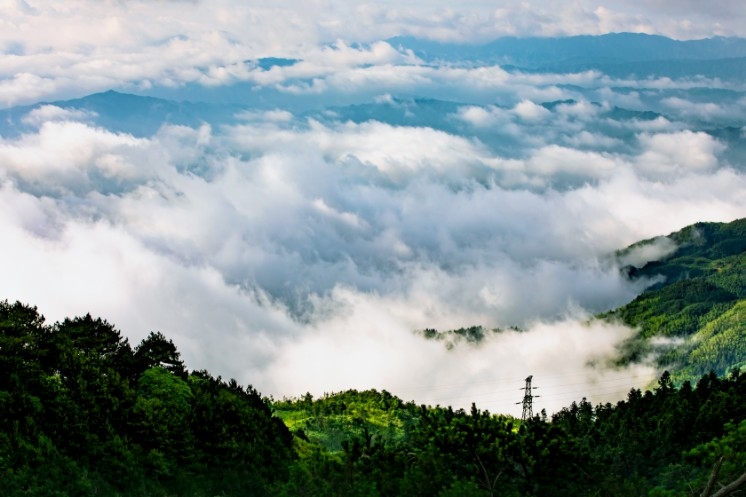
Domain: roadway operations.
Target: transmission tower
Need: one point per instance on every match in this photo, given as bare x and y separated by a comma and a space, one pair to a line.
528, 399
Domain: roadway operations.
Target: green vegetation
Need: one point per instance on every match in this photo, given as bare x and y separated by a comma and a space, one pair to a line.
660, 442
329, 422
472, 335
692, 319
83, 413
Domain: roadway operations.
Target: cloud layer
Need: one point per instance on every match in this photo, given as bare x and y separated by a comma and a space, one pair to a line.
301, 256
54, 50
299, 245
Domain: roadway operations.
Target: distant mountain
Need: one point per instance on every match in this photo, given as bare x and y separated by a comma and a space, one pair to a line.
395, 111
616, 54
125, 112
730, 69
693, 319
143, 116
268, 63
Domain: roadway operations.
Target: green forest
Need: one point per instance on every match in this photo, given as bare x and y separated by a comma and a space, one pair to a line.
693, 318
83, 412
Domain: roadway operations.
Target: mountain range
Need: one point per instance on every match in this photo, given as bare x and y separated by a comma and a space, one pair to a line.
616, 54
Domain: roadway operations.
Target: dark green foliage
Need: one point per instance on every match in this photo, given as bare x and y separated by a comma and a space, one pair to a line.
691, 320
642, 438
679, 309
472, 335
331, 420
641, 445
81, 413
156, 350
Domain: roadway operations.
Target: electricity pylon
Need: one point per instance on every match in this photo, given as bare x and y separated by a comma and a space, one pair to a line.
528, 399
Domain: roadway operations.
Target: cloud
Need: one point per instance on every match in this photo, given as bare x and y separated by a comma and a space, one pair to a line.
708, 111
587, 139
555, 159
378, 355
61, 51
282, 249
65, 156
666, 154
529, 111
48, 113
481, 117
639, 255
365, 195
101, 267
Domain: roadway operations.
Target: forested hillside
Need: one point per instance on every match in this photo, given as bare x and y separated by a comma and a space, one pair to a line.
693, 319
82, 412
660, 442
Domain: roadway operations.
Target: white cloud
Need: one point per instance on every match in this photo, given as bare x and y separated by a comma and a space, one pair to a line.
668, 154
45, 113
587, 139
481, 117
708, 111
274, 251
55, 50
529, 111
555, 159
300, 253
380, 355
63, 156
659, 248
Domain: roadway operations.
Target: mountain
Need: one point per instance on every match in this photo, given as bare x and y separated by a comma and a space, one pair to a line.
617, 54
396, 111
690, 320
659, 442
727, 69
83, 413
693, 318
124, 112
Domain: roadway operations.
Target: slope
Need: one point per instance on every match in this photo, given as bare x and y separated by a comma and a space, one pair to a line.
691, 319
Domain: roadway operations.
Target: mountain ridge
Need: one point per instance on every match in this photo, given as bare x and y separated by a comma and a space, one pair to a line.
614, 54
688, 320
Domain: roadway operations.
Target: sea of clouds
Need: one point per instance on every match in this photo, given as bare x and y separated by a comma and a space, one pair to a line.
298, 247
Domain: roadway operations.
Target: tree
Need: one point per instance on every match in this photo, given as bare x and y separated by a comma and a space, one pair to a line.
155, 350
162, 415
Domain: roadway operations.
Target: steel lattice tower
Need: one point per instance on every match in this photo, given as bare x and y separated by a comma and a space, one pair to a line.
528, 400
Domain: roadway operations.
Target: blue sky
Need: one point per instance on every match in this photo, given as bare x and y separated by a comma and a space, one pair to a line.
298, 247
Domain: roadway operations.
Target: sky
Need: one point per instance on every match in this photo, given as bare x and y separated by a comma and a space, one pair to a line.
68, 48
300, 249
